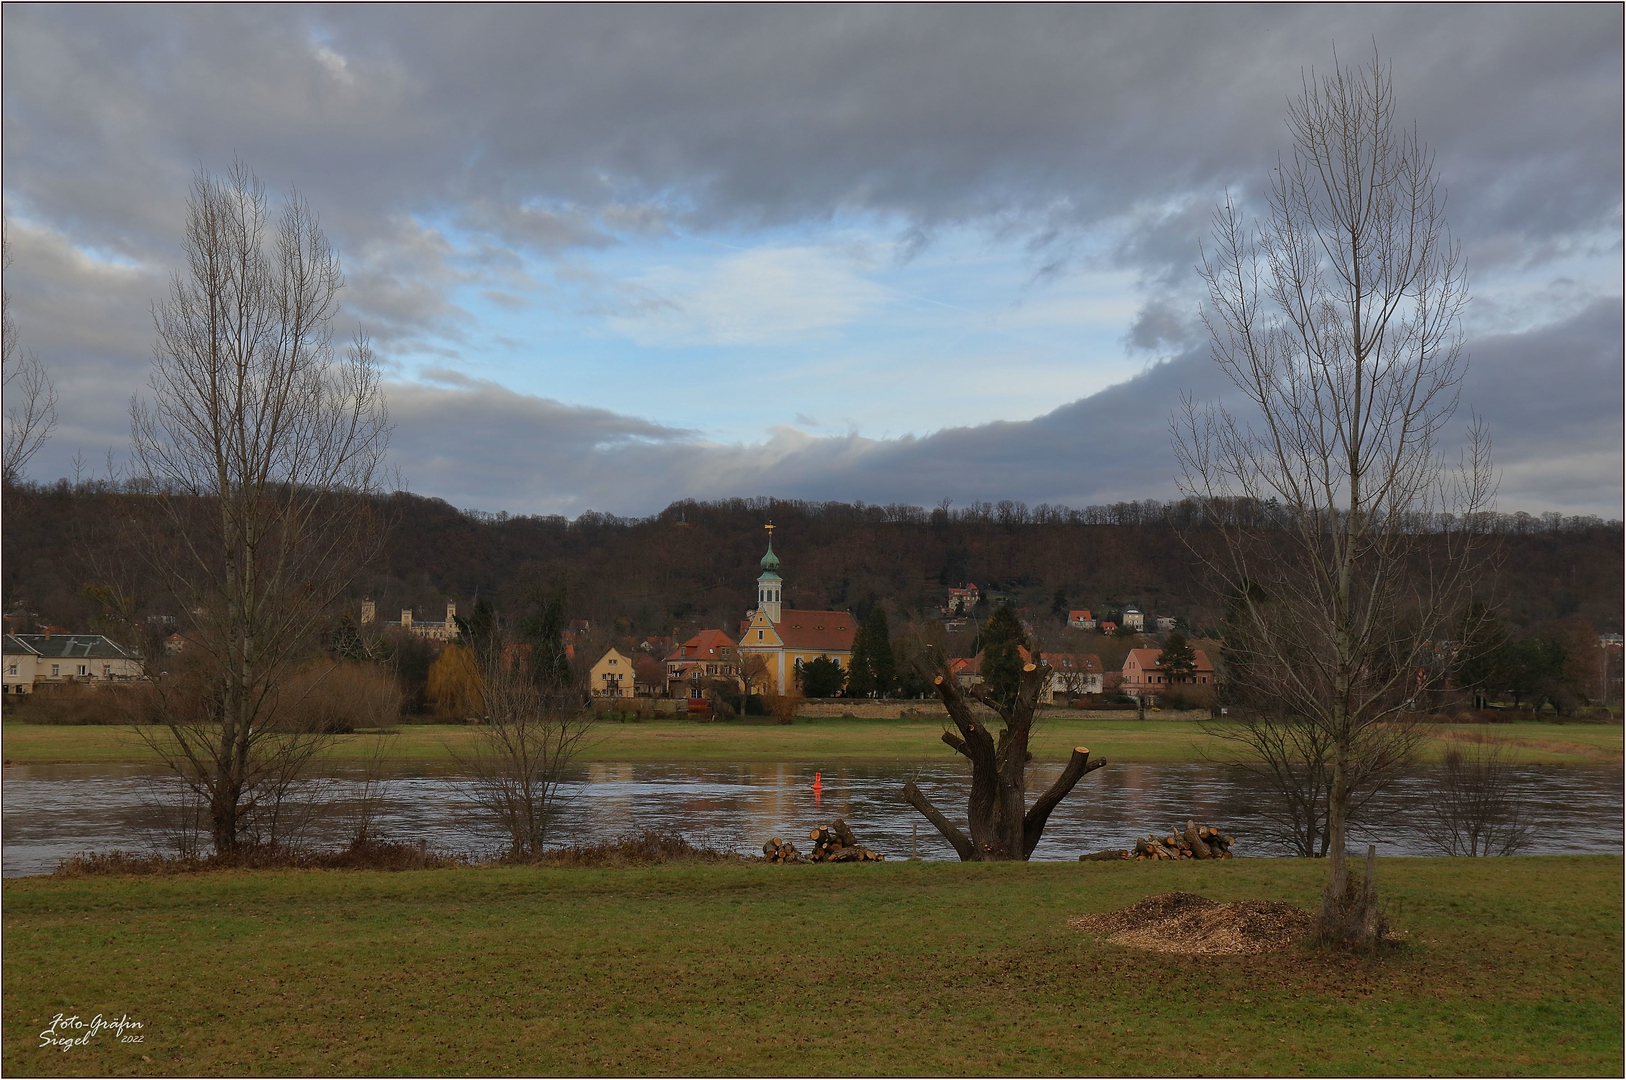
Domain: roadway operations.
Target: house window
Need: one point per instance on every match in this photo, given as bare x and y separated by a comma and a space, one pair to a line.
107, 671
83, 670
759, 635
56, 669
12, 670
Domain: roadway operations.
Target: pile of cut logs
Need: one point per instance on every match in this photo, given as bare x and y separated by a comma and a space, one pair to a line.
831, 843
1197, 842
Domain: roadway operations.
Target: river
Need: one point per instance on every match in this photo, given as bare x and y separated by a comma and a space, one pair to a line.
51, 811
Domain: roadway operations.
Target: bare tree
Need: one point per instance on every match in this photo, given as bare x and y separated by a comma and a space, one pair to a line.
532, 730
1338, 318
1476, 809
257, 450
1002, 826
1293, 754
30, 410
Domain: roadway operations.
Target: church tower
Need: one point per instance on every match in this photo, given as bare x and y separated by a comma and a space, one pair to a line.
769, 585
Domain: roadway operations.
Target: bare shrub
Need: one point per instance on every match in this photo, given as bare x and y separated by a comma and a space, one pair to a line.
650, 847
1476, 809
335, 698
533, 725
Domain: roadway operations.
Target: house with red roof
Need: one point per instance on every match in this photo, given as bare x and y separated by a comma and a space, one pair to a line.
709, 654
1073, 674
1143, 675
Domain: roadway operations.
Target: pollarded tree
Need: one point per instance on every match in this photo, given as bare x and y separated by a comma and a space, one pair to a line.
1002, 826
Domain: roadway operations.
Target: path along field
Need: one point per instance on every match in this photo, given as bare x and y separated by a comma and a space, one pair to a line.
1510, 966
816, 740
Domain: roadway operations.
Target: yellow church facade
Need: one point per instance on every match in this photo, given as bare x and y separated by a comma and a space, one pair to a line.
786, 638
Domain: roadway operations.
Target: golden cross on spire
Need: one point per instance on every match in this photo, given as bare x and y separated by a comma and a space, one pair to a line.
769, 527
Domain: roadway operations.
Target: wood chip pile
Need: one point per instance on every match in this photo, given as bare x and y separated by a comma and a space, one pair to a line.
831, 843
1197, 842
1194, 925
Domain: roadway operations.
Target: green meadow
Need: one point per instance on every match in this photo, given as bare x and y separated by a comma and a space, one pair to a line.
1506, 966
1115, 737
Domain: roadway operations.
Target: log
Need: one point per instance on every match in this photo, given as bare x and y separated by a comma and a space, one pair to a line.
1109, 855
1199, 850
844, 834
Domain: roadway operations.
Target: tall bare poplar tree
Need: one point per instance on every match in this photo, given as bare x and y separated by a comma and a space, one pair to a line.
258, 445
1338, 319
30, 399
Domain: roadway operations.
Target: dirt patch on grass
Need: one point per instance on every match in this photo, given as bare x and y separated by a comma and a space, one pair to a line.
1181, 922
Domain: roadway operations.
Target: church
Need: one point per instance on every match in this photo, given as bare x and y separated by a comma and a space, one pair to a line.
786, 638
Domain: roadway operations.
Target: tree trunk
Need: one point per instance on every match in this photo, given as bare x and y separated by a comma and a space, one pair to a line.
1001, 825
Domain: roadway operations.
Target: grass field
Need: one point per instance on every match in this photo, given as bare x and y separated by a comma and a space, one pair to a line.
1510, 966
815, 740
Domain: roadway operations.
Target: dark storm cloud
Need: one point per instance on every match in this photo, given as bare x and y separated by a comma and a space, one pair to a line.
777, 113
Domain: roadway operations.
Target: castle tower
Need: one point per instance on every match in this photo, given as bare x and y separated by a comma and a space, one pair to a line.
769, 584
369, 612
451, 620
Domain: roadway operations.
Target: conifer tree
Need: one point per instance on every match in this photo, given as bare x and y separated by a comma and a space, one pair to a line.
1002, 640
1178, 662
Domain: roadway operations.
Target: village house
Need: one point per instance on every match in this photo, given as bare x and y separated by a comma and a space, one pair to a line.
30, 660
1073, 674
1143, 677
1133, 617
709, 654
612, 676
1081, 620
788, 638
962, 600
1165, 623
434, 631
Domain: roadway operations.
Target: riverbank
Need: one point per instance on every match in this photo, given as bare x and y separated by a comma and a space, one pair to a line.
817, 740
1509, 966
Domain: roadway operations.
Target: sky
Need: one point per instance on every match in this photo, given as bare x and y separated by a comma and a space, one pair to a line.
612, 257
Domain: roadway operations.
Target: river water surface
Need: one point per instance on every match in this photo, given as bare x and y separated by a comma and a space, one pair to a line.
51, 811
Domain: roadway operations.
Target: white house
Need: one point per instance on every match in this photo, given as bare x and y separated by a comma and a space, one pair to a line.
32, 659
1134, 618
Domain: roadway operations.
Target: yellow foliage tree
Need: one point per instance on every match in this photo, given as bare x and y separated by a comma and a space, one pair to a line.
454, 683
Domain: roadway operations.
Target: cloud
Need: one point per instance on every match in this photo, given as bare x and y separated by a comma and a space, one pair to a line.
532, 455
753, 297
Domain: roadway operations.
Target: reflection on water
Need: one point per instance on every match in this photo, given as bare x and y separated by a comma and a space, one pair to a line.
53, 811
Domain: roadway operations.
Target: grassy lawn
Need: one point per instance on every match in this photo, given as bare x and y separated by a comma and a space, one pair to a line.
1510, 966
815, 740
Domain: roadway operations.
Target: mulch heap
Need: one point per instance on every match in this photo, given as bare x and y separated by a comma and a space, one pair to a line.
1182, 922
831, 843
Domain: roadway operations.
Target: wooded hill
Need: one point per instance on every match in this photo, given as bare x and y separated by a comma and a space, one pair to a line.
695, 563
